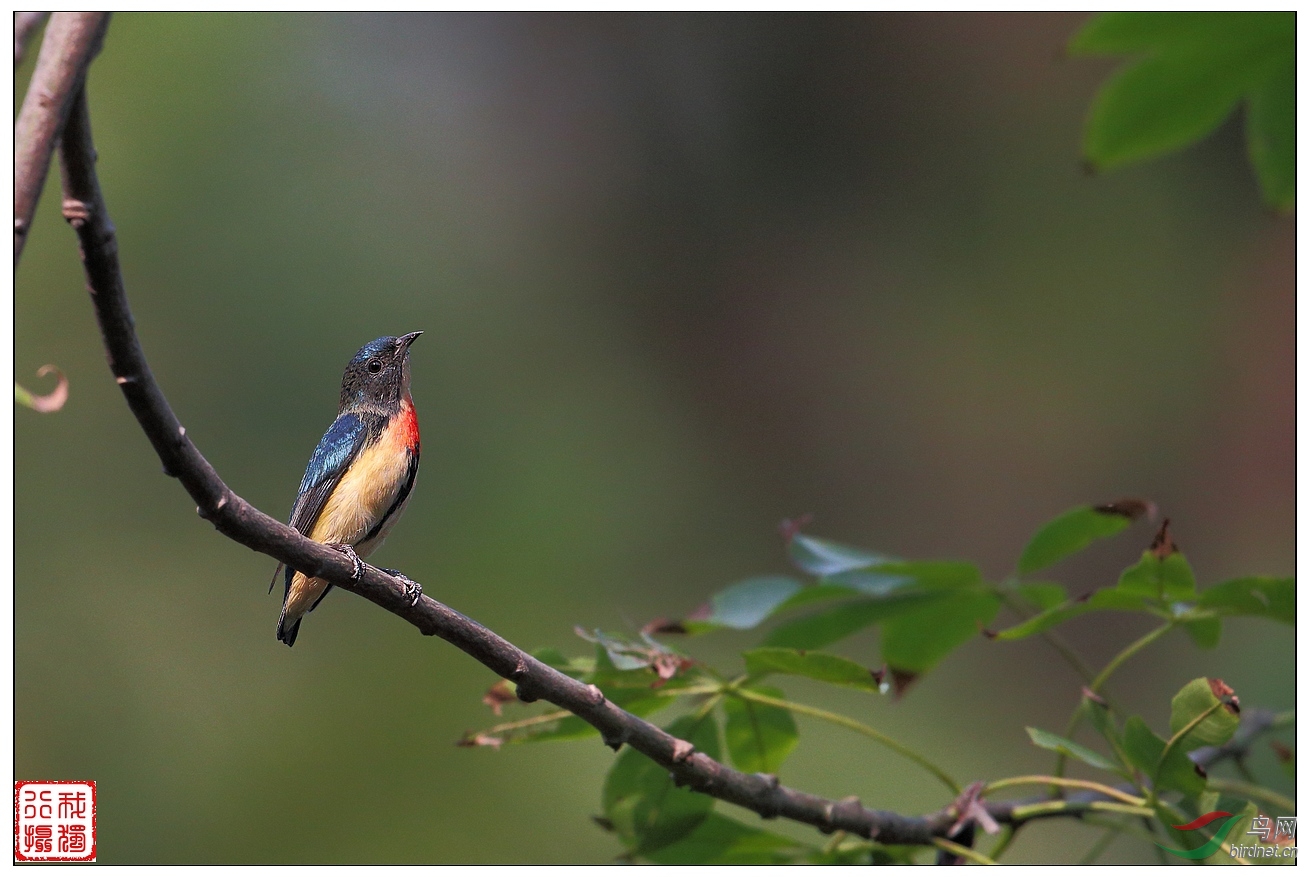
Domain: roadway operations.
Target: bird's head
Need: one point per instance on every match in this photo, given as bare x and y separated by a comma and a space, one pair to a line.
378, 375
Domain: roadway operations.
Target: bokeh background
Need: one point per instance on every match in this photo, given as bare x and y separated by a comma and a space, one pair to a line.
681, 276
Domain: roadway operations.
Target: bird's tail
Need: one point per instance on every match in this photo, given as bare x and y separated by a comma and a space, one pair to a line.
287, 630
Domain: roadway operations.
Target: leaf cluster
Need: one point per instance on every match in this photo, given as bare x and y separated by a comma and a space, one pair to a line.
922, 611
1190, 70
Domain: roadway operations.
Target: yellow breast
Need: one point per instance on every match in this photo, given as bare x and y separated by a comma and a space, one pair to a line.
364, 493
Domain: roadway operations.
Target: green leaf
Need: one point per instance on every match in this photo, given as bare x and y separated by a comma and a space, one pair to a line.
1271, 137
1114, 33
745, 604
614, 665
1195, 701
1243, 815
647, 810
916, 640
719, 840
943, 575
1141, 745
759, 736
1043, 595
1273, 598
1070, 532
823, 558
1204, 631
874, 581
575, 667
1144, 749
817, 593
1104, 599
1168, 580
1056, 743
1098, 716
1044, 621
814, 665
1119, 601
1191, 80
1197, 718
830, 625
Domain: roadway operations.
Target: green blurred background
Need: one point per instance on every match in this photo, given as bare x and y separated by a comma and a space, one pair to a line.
681, 277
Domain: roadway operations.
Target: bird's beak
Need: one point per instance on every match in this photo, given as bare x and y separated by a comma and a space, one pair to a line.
404, 341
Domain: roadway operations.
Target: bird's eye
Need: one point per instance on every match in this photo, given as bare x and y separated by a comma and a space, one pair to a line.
374, 366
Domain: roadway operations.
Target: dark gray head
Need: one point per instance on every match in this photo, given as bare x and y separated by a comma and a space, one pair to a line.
378, 376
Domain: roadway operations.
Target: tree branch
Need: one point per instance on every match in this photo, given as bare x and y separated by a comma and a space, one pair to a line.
84, 209
72, 39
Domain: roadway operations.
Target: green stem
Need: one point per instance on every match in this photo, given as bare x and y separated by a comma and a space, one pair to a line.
831, 846
1108, 791
1115, 663
710, 703
857, 727
1031, 811
962, 851
1254, 792
1127, 653
529, 722
1057, 642
1183, 732
712, 688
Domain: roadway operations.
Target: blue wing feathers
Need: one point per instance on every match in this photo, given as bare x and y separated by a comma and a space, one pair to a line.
334, 450
339, 445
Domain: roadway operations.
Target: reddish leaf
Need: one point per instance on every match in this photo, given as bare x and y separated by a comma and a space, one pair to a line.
1129, 507
1224, 693
664, 625
498, 695
1164, 544
471, 739
902, 680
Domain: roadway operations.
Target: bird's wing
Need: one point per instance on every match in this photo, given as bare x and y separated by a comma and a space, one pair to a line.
329, 462
339, 445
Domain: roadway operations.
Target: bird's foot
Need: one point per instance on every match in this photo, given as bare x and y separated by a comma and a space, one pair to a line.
413, 590
349, 551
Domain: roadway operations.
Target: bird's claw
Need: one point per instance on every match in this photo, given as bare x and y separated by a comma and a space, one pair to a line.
413, 590
349, 551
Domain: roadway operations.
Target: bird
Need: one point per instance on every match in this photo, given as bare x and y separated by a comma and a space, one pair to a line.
360, 476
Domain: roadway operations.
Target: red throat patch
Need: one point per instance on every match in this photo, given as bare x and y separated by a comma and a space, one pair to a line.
407, 424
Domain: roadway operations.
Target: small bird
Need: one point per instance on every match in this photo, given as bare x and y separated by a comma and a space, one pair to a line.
360, 477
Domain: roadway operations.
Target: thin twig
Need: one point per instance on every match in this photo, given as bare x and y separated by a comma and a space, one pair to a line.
857, 727
1107, 791
71, 40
